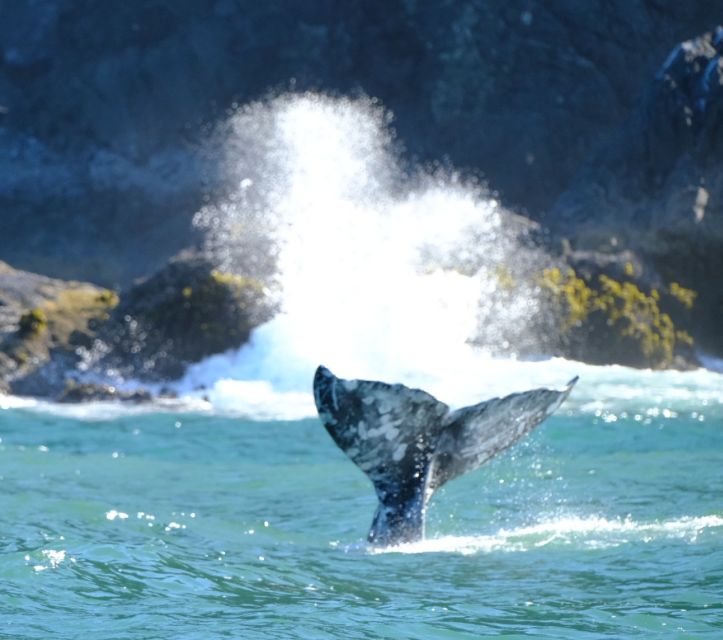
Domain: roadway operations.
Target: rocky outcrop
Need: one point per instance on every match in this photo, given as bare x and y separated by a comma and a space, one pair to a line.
58, 338
104, 119
596, 307
657, 188
606, 310
184, 312
45, 326
92, 392
103, 113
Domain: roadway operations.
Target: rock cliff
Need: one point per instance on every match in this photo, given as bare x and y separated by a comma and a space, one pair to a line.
102, 110
657, 187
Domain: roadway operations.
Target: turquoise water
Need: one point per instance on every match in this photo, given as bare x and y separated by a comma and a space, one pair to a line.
189, 521
162, 524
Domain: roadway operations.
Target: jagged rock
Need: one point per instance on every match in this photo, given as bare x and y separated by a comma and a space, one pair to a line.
657, 189
596, 307
53, 332
102, 117
184, 312
43, 321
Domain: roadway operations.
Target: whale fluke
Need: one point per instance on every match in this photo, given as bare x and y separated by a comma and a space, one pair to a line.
410, 444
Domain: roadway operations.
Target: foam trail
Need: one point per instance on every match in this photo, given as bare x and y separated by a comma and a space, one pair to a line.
592, 532
106, 410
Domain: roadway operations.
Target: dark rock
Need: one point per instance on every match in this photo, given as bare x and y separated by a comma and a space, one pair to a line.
657, 189
102, 112
42, 323
104, 118
606, 311
88, 392
186, 311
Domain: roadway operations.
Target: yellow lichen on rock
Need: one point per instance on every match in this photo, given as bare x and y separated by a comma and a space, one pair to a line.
631, 312
75, 308
62, 320
505, 279
639, 317
573, 292
108, 298
33, 322
235, 281
685, 296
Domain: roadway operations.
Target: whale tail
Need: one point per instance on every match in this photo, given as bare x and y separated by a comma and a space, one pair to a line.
410, 444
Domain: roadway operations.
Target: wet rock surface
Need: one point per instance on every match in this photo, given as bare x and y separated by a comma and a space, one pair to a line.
610, 309
75, 392
184, 312
46, 325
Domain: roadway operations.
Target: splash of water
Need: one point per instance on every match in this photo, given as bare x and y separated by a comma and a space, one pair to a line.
414, 278
381, 274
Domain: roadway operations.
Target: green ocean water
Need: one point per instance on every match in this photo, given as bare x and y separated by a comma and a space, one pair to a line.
160, 524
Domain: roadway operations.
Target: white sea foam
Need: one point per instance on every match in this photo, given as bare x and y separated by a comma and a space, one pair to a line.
365, 288
102, 410
609, 393
14, 402
52, 559
594, 532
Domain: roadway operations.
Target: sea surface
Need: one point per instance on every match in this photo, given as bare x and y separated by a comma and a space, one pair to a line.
172, 522
231, 513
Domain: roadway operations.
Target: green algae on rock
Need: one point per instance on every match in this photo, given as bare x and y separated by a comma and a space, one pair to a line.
32, 322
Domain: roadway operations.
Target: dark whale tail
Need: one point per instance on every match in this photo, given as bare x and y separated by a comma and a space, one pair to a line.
410, 444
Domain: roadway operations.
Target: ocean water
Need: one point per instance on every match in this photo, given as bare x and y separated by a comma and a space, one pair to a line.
171, 523
231, 513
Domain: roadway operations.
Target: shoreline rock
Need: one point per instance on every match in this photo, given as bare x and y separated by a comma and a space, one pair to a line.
179, 315
62, 339
609, 312
104, 115
548, 104
54, 334
44, 324
656, 190
76, 392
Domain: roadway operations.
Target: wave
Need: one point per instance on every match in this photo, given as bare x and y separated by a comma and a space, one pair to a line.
106, 410
381, 273
603, 391
15, 402
609, 393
